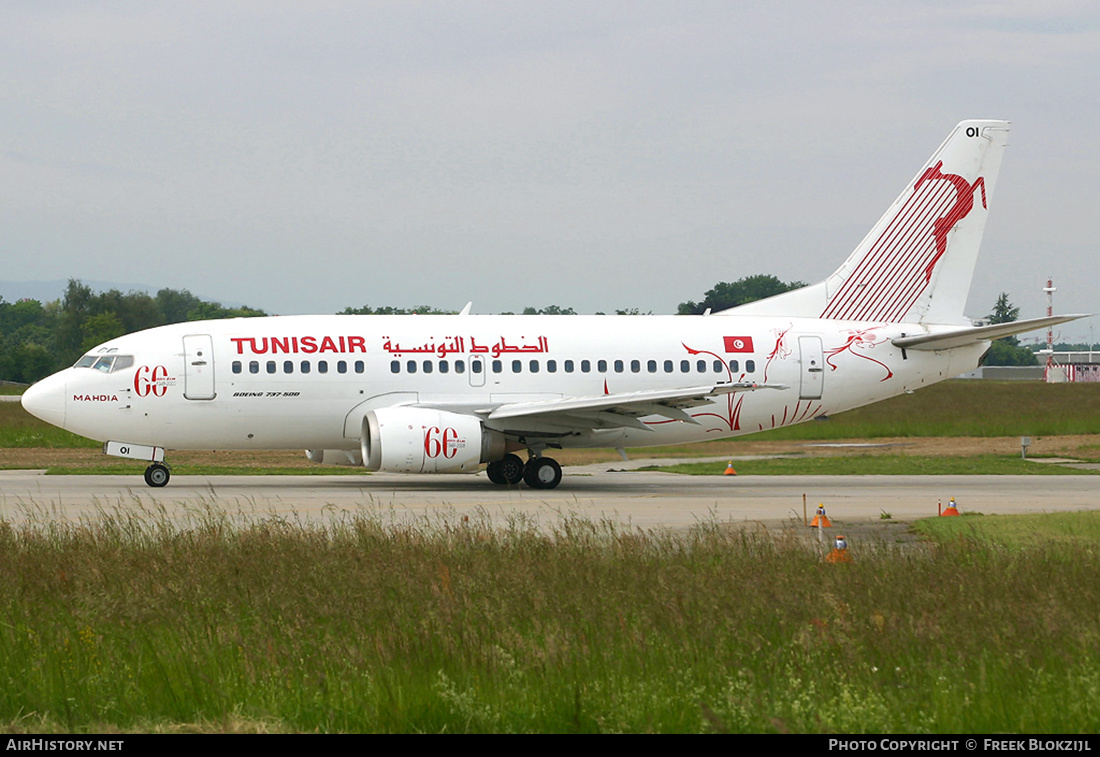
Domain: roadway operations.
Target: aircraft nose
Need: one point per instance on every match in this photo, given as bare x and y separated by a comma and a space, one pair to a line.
46, 400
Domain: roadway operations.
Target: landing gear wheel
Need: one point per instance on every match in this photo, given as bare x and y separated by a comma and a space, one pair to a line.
157, 475
508, 470
542, 473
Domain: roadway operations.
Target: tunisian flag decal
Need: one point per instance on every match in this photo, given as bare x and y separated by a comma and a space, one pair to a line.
738, 343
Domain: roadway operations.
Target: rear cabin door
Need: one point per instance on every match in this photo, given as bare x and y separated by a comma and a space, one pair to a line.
813, 367
198, 367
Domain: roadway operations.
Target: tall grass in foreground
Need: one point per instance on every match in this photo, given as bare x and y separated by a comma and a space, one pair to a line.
366, 625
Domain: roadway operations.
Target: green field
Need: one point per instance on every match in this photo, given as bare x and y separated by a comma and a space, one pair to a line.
965, 408
369, 625
882, 465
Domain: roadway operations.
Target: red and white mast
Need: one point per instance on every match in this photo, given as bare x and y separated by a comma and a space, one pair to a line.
1049, 289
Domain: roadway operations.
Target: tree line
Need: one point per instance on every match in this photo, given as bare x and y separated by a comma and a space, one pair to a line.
38, 339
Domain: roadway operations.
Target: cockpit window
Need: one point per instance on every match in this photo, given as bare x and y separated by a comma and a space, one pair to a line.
105, 363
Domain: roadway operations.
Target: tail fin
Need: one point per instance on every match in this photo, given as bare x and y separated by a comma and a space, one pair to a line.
917, 262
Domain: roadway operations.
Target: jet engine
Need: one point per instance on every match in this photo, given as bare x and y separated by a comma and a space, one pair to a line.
423, 440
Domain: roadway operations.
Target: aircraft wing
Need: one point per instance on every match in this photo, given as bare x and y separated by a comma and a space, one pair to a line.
963, 337
611, 410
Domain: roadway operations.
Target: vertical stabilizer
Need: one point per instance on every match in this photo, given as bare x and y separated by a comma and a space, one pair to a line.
917, 262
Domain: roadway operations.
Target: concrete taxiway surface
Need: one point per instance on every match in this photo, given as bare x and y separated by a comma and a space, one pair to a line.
638, 498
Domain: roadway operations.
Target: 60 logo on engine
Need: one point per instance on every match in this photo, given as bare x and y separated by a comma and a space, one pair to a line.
443, 442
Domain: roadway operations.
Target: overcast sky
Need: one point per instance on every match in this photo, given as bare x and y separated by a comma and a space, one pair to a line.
303, 157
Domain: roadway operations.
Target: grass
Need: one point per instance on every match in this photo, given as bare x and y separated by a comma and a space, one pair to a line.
20, 429
1019, 532
965, 408
880, 465
137, 622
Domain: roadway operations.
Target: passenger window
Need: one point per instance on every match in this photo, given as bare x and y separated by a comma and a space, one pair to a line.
551, 366
305, 366
601, 366
288, 366
410, 366
254, 366
668, 366
498, 366
342, 366
322, 366
635, 366
395, 366
719, 366
359, 366
534, 366
517, 366
271, 367
685, 366
733, 366
586, 366
460, 366
236, 366
427, 366
651, 366
750, 366
444, 366
701, 366
568, 366
619, 366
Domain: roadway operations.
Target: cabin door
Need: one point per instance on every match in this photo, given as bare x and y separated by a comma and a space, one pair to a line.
198, 367
813, 367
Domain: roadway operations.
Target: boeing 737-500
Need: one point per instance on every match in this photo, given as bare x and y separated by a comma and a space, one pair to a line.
448, 393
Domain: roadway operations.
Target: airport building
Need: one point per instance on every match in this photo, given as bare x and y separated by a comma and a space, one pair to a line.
1065, 367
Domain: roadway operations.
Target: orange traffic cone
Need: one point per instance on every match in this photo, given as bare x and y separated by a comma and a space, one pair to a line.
951, 508
820, 520
840, 551
729, 469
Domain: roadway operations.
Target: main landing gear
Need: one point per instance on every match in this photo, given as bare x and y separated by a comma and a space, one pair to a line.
157, 475
538, 472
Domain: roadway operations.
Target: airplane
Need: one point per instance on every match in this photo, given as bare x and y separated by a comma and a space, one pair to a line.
449, 393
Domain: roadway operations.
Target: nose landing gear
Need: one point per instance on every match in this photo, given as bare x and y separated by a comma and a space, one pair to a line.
157, 475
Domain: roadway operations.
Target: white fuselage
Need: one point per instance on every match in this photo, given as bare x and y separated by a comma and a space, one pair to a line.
295, 382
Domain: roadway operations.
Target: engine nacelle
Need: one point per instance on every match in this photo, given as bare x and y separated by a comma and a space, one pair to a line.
422, 440
349, 457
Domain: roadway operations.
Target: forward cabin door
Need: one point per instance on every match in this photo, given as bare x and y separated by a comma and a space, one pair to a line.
813, 367
198, 367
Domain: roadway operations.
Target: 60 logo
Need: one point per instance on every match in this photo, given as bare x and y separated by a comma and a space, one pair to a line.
151, 381
443, 442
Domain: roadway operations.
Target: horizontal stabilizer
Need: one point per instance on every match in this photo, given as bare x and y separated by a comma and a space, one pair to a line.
963, 337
